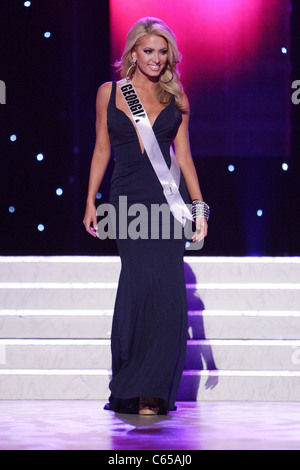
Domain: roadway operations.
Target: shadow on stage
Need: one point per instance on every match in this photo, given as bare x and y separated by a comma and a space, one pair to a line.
199, 352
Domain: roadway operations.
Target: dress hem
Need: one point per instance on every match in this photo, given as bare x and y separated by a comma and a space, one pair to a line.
131, 406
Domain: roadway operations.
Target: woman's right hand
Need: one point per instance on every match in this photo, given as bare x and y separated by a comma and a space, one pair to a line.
90, 217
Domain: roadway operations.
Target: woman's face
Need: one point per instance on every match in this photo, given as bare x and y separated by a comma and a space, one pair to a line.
151, 55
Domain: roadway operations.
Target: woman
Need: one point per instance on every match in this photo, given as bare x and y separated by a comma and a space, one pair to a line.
149, 332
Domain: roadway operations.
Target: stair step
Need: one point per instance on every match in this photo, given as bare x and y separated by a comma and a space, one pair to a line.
106, 268
201, 354
102, 295
240, 386
55, 354
60, 269
244, 324
195, 385
92, 324
54, 384
243, 355
242, 269
60, 324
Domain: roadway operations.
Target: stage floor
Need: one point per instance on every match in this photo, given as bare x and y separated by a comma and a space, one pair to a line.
84, 425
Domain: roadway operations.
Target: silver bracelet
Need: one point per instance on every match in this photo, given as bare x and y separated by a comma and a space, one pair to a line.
200, 209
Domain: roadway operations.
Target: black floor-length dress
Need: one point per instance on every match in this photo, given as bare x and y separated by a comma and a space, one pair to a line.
149, 332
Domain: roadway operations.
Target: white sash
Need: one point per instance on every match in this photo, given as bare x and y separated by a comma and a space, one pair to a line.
168, 178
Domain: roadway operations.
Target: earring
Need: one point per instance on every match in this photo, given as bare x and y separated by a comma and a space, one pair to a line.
168, 80
132, 65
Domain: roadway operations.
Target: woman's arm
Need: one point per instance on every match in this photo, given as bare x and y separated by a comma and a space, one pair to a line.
100, 158
186, 164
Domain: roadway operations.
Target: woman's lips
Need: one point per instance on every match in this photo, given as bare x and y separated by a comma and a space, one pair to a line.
154, 67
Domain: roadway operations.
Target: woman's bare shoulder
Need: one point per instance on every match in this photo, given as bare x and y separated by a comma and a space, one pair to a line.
185, 103
104, 91
105, 87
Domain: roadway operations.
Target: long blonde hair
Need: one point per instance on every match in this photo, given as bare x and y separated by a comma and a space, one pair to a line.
154, 26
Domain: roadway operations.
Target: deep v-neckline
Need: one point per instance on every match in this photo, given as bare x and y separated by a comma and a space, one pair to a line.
133, 124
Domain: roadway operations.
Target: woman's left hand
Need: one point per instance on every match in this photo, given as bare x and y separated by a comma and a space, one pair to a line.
201, 229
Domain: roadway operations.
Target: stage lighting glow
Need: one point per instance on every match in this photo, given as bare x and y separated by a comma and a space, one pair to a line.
259, 213
13, 137
285, 167
59, 192
11, 209
41, 227
47, 35
206, 31
98, 196
27, 4
284, 50
40, 157
231, 168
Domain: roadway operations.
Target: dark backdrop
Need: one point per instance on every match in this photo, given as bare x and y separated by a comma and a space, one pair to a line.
51, 86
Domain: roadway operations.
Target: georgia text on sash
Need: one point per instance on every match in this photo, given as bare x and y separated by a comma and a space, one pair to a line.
133, 102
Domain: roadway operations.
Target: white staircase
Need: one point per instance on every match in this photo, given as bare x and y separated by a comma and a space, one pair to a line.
244, 328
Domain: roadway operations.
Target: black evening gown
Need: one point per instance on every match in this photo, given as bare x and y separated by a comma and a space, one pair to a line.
149, 331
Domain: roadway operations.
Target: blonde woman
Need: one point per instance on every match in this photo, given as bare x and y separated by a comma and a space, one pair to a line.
149, 332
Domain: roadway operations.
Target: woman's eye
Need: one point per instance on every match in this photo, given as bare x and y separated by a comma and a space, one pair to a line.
149, 51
